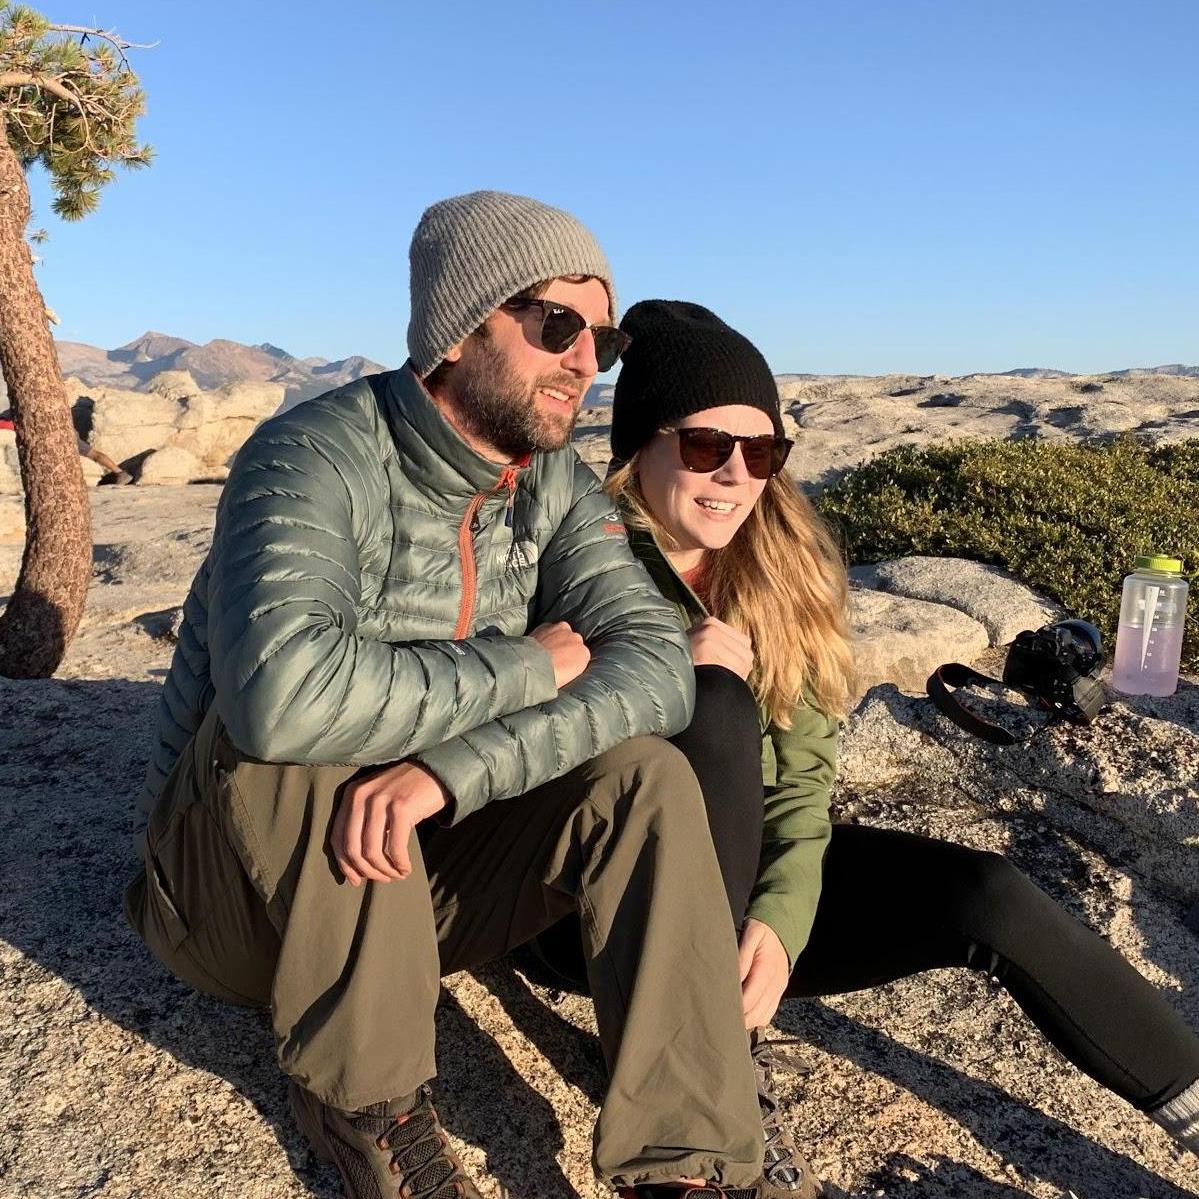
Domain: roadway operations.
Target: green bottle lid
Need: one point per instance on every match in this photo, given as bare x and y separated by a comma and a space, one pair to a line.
1159, 562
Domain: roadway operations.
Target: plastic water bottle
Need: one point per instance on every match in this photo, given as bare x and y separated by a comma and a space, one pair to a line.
1149, 637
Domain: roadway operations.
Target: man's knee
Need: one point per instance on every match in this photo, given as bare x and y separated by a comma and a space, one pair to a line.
645, 774
650, 754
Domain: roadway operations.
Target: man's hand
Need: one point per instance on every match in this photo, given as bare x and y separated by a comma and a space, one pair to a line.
765, 971
375, 819
714, 643
566, 648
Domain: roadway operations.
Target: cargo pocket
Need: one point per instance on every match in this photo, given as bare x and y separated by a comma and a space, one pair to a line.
150, 909
193, 911
162, 910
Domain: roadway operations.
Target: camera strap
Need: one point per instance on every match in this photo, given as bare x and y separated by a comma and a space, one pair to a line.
940, 687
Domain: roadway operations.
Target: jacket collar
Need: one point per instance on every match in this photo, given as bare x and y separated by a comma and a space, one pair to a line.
667, 580
432, 452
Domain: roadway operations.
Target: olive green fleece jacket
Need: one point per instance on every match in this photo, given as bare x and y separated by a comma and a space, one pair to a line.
798, 768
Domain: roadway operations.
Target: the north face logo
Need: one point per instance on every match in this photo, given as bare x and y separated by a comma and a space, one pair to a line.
521, 554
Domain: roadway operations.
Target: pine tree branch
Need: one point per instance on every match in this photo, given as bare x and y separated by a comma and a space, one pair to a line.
69, 107
107, 34
21, 79
114, 39
86, 106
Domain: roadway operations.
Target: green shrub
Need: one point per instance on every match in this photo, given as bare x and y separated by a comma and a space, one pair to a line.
1066, 518
1180, 459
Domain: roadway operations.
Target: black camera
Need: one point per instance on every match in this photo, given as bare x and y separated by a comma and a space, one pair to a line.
1059, 666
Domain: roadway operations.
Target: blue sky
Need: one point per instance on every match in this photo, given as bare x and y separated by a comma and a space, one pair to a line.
859, 185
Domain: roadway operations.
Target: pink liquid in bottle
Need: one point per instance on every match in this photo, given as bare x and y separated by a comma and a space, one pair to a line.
1150, 633
1155, 673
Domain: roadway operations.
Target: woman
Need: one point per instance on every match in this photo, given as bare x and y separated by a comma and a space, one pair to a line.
821, 909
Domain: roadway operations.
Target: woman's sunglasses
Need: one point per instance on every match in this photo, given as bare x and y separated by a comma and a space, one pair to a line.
561, 326
706, 450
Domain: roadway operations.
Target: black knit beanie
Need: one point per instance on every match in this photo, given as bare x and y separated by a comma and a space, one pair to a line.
683, 359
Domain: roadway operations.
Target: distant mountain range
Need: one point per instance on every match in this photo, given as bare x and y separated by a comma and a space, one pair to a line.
133, 366
1173, 368
213, 365
1037, 372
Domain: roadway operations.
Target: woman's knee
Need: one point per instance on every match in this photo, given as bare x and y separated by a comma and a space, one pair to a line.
996, 902
724, 737
724, 704
723, 745
991, 877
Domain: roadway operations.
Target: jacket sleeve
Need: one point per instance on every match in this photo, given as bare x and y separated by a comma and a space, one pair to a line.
796, 831
640, 678
292, 681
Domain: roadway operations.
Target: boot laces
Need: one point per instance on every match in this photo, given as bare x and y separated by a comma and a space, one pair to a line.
420, 1155
779, 1166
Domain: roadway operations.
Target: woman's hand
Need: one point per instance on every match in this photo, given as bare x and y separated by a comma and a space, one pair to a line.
375, 819
714, 643
764, 972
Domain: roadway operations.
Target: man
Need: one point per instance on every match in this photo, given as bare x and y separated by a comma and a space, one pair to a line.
114, 473
408, 726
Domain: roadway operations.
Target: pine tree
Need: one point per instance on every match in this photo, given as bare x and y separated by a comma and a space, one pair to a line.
68, 103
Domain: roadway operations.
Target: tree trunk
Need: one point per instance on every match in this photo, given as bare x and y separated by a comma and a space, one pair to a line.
45, 609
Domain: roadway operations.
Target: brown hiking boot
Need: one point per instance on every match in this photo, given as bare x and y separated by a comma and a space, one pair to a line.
710, 1190
786, 1173
382, 1153
783, 1166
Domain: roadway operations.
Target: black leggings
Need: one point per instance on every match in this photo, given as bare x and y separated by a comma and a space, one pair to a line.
893, 904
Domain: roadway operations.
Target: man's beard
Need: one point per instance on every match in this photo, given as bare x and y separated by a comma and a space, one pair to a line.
501, 409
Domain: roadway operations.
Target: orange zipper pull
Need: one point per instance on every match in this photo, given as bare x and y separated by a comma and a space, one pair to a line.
509, 481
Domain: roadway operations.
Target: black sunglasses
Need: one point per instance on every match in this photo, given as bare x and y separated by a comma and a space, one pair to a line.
707, 450
561, 326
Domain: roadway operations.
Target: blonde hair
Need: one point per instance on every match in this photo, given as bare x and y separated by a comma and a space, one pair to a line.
781, 580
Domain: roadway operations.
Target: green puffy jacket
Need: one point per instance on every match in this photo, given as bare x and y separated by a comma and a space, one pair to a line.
798, 768
367, 595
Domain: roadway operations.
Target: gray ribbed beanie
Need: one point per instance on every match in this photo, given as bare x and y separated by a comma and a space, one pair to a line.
471, 253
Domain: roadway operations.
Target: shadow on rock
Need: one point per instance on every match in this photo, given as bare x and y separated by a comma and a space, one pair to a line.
902, 1177
1035, 1144
476, 1084
71, 765
1181, 708
574, 1054
597, 430
70, 769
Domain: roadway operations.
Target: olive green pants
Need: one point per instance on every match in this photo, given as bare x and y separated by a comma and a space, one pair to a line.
241, 898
